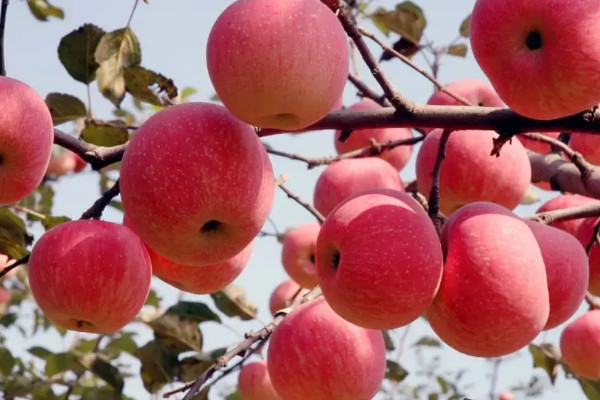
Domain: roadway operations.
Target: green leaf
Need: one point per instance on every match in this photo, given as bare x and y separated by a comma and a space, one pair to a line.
235, 395
407, 20
7, 361
97, 393
61, 362
215, 98
153, 299
176, 333
13, 235
76, 52
158, 365
458, 50
389, 343
44, 392
40, 352
546, 356
443, 384
232, 302
116, 51
42, 9
465, 27
65, 108
186, 93
428, 341
124, 343
394, 371
149, 86
103, 369
50, 222
105, 133
8, 319
590, 388
194, 311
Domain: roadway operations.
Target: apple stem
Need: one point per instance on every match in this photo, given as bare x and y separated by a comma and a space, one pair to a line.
434, 195
2, 25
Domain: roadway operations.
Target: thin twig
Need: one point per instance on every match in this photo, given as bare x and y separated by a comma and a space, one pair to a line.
97, 156
3, 12
311, 209
135, 4
550, 217
434, 195
96, 210
14, 265
365, 91
494, 378
592, 301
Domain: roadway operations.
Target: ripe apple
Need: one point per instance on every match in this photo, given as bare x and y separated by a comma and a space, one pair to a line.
4, 297
204, 279
196, 184
584, 235
314, 354
254, 382
61, 165
26, 136
283, 295
580, 345
470, 174
90, 276
567, 271
397, 157
493, 299
345, 178
298, 254
563, 201
587, 145
477, 92
278, 64
506, 396
80, 163
542, 57
368, 276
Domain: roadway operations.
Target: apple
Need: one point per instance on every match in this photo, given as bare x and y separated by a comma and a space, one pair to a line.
345, 178
588, 145
278, 64
80, 163
542, 57
61, 165
368, 276
26, 136
580, 345
470, 174
90, 275
397, 157
567, 271
493, 299
283, 295
254, 382
196, 184
564, 201
298, 254
476, 92
4, 297
204, 279
314, 354
584, 235
506, 396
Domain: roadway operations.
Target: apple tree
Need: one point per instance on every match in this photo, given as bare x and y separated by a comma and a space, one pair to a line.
416, 256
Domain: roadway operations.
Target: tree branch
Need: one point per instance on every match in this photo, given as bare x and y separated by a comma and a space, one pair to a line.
98, 156
3, 12
96, 210
434, 195
14, 265
298, 200
550, 217
365, 91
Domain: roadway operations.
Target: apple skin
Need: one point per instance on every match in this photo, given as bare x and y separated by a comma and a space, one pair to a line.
80, 163
563, 201
397, 157
314, 354
470, 174
370, 278
477, 92
26, 137
278, 64
567, 271
90, 276
506, 396
493, 299
587, 145
558, 77
298, 254
584, 235
4, 297
580, 345
345, 178
204, 196
61, 165
283, 295
254, 382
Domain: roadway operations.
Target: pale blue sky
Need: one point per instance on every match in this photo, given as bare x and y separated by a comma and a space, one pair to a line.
173, 37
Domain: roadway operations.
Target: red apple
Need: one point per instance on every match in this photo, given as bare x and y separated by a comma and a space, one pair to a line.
316, 355
476, 92
563, 201
80, 163
584, 235
254, 382
506, 396
493, 299
567, 271
283, 295
90, 276
345, 178
278, 64
26, 136
61, 165
368, 276
580, 345
298, 254
397, 157
4, 297
206, 194
470, 174
588, 145
542, 57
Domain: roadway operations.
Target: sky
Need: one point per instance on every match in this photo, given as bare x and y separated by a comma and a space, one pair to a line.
173, 37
